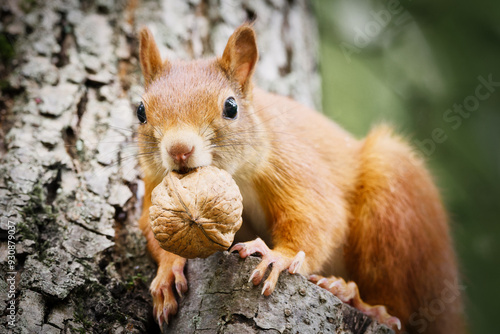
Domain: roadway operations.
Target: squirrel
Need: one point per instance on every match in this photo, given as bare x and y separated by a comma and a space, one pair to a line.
321, 201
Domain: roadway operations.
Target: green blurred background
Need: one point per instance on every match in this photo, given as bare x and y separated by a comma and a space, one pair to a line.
413, 64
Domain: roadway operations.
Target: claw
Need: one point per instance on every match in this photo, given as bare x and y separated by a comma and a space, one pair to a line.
322, 281
255, 273
336, 284
237, 247
179, 288
160, 321
257, 246
393, 321
314, 278
297, 262
165, 315
267, 286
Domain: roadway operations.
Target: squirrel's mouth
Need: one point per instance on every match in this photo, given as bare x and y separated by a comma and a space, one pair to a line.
183, 169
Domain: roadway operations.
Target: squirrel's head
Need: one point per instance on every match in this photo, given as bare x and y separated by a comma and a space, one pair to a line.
199, 113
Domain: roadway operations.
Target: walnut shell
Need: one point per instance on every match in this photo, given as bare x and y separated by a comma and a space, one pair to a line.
196, 214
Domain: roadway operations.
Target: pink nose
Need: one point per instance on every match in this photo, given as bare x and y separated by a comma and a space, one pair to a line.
181, 153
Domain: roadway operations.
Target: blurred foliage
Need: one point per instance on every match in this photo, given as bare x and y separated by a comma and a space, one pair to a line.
412, 64
6, 49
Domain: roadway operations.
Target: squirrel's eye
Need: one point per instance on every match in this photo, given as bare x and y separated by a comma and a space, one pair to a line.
230, 108
141, 113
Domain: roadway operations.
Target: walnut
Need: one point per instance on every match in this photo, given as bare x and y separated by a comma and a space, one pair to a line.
196, 214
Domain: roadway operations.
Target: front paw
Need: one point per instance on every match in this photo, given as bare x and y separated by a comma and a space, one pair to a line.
281, 260
164, 299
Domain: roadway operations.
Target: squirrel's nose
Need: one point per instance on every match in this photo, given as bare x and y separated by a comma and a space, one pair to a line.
181, 152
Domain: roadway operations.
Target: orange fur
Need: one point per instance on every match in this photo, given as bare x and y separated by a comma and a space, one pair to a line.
399, 250
365, 210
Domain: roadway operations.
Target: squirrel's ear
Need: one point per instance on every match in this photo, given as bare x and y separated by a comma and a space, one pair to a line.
149, 55
240, 55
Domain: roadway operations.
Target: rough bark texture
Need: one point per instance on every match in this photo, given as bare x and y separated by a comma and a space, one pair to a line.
69, 184
220, 300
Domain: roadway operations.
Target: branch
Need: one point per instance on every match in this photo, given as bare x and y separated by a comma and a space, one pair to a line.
220, 300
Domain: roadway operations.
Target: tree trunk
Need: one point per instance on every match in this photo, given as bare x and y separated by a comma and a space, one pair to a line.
71, 253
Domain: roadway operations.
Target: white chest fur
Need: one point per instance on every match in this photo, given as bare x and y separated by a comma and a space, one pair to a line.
254, 218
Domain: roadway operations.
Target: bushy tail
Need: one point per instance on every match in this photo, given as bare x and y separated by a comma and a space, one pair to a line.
399, 250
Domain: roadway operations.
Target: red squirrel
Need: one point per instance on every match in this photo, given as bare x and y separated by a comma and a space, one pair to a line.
366, 211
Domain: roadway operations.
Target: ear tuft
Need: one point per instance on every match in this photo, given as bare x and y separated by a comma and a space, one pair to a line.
241, 55
149, 55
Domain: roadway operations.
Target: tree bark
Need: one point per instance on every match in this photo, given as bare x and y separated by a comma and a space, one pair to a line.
220, 300
72, 256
